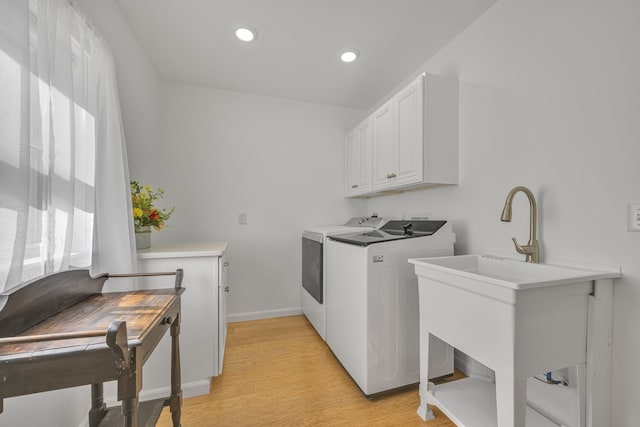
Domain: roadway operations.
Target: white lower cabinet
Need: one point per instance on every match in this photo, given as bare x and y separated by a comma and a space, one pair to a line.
415, 137
203, 327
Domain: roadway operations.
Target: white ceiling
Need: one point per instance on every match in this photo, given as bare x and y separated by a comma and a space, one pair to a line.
296, 53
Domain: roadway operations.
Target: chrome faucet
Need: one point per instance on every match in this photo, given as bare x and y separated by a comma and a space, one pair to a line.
531, 249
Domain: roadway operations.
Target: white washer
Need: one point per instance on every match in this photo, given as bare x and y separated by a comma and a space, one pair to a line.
372, 318
314, 265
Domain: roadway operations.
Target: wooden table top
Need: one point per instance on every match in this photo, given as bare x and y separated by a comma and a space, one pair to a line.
141, 310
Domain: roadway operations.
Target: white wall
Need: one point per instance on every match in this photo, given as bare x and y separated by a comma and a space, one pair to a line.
550, 99
279, 161
138, 86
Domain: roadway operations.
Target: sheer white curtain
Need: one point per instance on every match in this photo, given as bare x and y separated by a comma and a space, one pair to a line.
64, 185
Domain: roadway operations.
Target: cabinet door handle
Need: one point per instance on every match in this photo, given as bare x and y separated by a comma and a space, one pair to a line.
225, 264
391, 175
226, 289
354, 186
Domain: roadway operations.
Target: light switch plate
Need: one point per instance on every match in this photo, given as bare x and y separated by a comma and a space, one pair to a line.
633, 216
242, 218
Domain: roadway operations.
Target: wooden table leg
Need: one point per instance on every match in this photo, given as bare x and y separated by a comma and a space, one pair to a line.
98, 407
175, 401
130, 412
129, 385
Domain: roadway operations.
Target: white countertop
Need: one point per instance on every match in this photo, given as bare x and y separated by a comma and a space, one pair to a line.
183, 250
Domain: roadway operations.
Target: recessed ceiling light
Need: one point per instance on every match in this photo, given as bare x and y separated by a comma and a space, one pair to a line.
246, 34
349, 55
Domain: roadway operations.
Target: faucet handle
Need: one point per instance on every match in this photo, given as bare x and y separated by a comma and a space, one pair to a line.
531, 250
524, 250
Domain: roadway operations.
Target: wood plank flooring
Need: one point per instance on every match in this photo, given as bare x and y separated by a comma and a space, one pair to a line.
278, 372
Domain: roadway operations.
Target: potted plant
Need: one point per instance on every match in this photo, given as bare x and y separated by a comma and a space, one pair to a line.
145, 214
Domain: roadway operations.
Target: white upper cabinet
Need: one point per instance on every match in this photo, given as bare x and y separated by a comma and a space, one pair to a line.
409, 139
383, 136
398, 147
358, 160
415, 137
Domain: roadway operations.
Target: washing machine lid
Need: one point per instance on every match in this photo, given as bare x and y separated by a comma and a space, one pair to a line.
392, 230
373, 221
352, 226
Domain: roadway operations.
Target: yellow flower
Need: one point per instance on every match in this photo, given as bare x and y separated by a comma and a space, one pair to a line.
144, 211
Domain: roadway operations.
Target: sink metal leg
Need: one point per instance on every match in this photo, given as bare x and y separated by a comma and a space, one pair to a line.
577, 384
511, 400
423, 410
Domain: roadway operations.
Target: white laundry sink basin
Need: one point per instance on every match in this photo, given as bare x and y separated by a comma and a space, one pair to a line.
519, 319
507, 272
500, 277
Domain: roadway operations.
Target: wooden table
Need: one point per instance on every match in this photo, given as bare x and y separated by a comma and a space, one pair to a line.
61, 331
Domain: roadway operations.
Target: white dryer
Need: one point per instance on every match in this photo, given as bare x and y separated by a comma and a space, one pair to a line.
314, 264
372, 318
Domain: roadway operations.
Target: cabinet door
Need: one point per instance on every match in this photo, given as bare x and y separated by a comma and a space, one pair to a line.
383, 147
351, 163
409, 137
199, 307
365, 141
358, 160
223, 293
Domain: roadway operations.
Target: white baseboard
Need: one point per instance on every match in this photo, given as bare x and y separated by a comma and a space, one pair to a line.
196, 388
267, 314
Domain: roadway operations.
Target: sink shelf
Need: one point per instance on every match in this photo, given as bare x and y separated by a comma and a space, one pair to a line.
471, 402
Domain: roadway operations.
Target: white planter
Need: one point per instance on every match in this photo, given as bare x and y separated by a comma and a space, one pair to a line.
143, 237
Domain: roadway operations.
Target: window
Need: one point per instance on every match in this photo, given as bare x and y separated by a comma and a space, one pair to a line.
52, 71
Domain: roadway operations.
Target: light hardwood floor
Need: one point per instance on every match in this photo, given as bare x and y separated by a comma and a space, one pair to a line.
278, 372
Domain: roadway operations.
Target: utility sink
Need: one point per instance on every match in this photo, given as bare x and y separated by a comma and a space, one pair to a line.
519, 319
492, 276
507, 272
